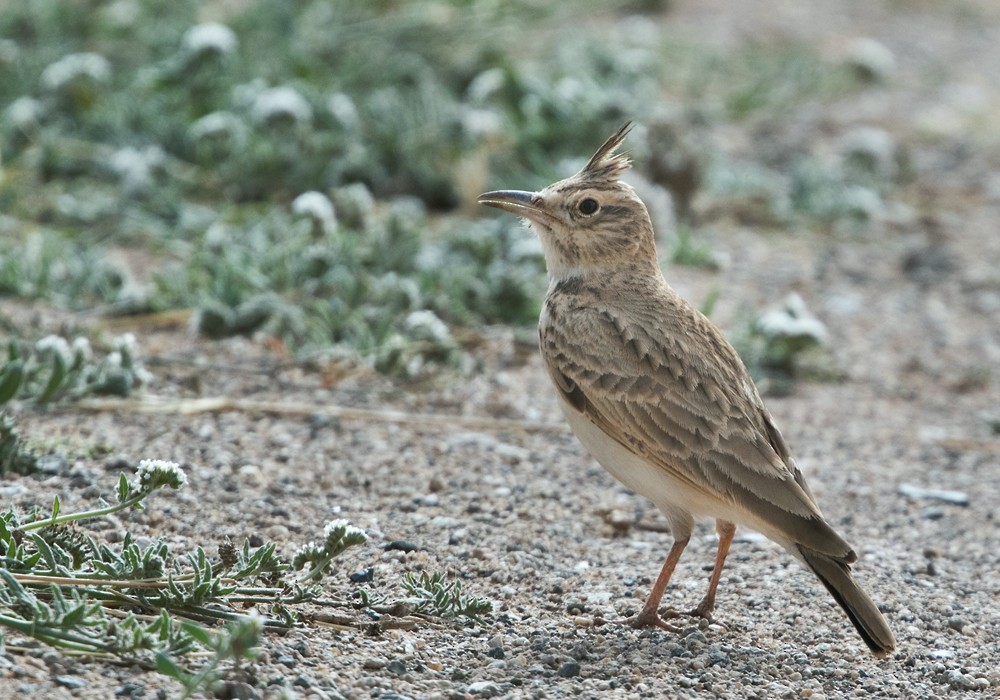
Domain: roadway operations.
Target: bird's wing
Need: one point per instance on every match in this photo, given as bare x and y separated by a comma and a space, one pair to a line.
686, 403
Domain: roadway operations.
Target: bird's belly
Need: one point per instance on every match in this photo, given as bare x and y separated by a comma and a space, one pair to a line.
673, 497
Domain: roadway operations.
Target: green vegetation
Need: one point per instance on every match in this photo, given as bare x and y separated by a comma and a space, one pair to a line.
306, 170
298, 169
150, 605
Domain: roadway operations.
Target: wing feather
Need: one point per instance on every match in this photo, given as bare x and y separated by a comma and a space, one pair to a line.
692, 413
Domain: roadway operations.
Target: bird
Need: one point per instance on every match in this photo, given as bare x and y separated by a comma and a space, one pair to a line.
659, 397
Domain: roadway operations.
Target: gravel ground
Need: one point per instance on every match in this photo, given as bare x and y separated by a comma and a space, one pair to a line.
526, 519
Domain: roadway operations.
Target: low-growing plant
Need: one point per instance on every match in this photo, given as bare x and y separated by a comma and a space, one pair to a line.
433, 594
54, 369
773, 344
687, 250
147, 604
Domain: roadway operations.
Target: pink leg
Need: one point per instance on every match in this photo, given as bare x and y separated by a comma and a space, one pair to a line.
650, 616
726, 532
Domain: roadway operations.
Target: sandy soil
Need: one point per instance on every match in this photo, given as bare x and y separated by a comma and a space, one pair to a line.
520, 513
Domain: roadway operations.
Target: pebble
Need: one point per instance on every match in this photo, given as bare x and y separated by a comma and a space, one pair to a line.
71, 682
363, 576
277, 532
396, 667
486, 689
235, 690
956, 498
445, 522
570, 669
401, 546
871, 60
373, 663
965, 681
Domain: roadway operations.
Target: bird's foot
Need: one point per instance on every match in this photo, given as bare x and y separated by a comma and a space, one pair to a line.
703, 611
647, 618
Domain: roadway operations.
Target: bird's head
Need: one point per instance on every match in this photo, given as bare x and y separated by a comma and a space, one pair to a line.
591, 222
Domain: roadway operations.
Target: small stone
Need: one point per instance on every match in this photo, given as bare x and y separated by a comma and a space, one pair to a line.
871, 60
51, 464
363, 576
570, 669
619, 520
286, 660
277, 532
486, 689
401, 546
960, 681
396, 667
235, 690
373, 663
71, 682
955, 498
957, 624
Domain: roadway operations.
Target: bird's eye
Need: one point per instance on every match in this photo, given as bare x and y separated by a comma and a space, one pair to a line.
588, 206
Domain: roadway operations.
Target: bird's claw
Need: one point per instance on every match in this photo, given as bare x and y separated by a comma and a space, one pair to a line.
646, 619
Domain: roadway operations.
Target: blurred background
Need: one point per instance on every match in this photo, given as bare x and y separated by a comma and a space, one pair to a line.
308, 170
262, 213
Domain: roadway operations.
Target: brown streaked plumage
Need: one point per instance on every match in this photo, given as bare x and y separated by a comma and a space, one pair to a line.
659, 397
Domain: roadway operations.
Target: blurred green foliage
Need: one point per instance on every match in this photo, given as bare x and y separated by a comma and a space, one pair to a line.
138, 125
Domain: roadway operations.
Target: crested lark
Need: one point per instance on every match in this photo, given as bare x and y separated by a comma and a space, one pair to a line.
659, 397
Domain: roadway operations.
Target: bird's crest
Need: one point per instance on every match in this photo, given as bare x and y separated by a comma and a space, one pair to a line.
606, 164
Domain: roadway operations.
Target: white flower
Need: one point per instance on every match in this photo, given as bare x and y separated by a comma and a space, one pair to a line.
480, 123
81, 348
56, 345
871, 148
126, 343
342, 108
209, 38
309, 552
341, 530
486, 84
792, 320
114, 359
281, 103
135, 167
316, 206
153, 473
76, 67
425, 325
871, 59
24, 113
219, 126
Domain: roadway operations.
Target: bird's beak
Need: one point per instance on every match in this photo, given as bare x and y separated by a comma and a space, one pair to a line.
524, 204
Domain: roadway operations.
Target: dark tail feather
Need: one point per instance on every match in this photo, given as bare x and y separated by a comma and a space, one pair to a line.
867, 619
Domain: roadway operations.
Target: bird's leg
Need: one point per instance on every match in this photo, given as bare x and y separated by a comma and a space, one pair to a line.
650, 616
726, 532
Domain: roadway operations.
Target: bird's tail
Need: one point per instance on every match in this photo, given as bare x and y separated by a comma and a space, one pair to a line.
836, 576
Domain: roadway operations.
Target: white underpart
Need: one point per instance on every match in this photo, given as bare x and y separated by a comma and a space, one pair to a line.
677, 501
